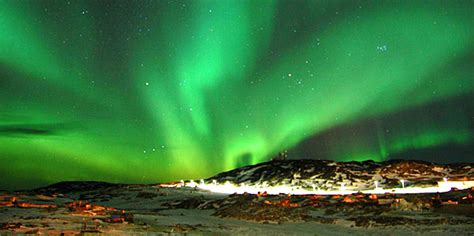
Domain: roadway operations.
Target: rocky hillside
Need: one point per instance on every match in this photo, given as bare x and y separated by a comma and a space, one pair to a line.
331, 175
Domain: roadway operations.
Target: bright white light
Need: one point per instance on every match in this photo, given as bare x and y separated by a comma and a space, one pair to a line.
376, 184
445, 179
191, 184
229, 188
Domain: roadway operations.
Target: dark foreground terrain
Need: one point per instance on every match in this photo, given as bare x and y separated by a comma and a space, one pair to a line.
78, 207
186, 207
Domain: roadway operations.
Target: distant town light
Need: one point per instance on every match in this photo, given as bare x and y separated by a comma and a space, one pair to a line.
229, 188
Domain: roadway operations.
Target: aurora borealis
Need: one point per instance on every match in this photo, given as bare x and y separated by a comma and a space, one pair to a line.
152, 91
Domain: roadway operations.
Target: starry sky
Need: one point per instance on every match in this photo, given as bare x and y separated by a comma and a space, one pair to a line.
153, 91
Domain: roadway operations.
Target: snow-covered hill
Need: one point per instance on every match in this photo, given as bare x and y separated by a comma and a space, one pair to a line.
327, 175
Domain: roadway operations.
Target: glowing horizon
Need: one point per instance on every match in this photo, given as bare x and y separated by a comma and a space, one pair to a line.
229, 188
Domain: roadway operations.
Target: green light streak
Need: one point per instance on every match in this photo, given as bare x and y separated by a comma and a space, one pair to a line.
159, 91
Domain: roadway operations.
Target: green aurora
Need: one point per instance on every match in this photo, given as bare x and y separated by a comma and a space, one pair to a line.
153, 91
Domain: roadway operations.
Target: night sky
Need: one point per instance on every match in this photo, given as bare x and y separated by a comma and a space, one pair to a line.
153, 91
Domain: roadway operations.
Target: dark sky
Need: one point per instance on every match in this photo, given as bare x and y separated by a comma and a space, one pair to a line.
150, 91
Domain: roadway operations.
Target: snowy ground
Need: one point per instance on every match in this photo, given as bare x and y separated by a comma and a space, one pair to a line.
158, 210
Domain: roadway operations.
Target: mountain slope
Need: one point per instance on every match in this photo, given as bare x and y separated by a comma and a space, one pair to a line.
331, 175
